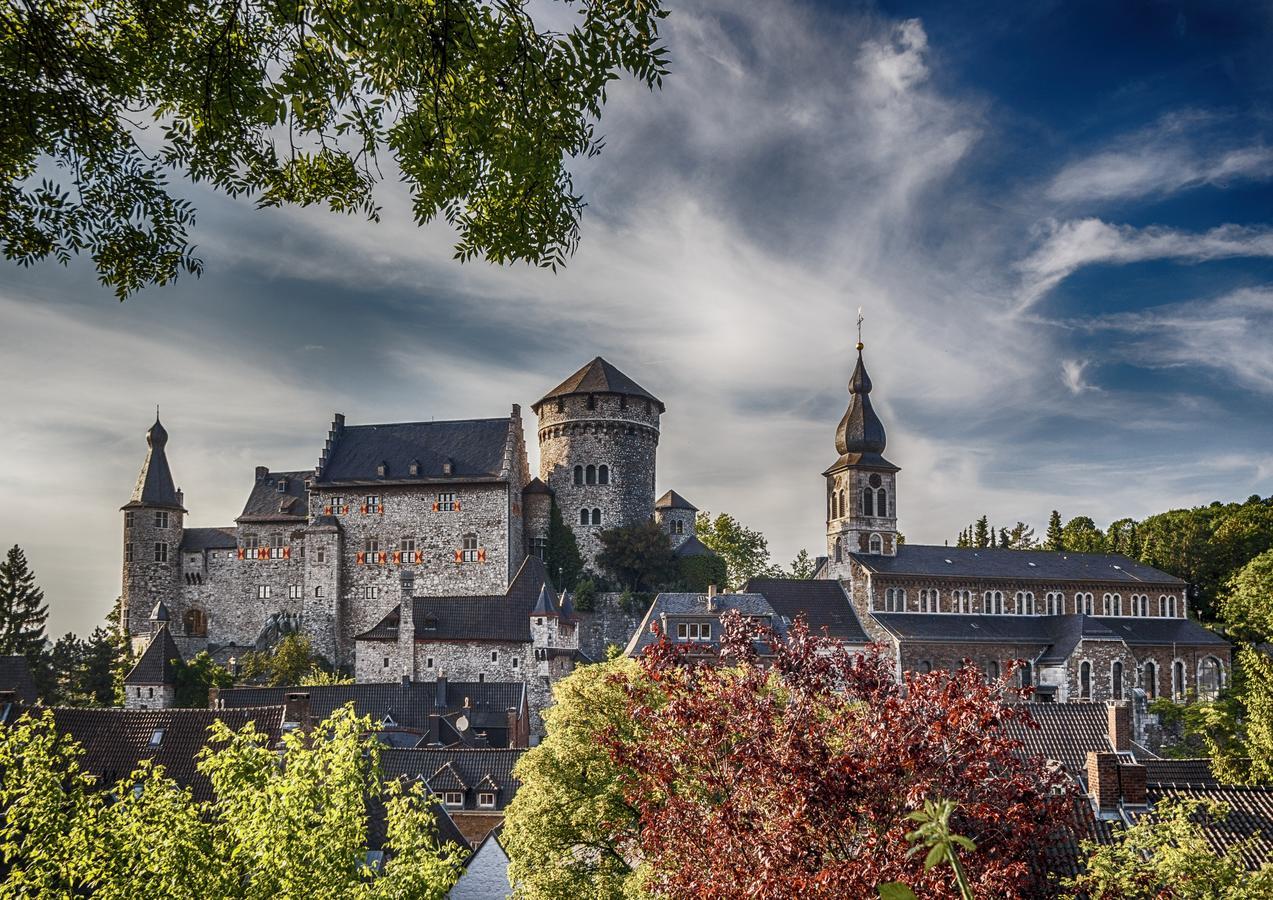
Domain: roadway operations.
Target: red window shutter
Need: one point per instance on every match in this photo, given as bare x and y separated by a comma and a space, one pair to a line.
435, 507
361, 558
241, 553
459, 555
384, 557
419, 556
457, 505
397, 557
263, 553
363, 509
287, 552
327, 510
481, 555
344, 510
381, 509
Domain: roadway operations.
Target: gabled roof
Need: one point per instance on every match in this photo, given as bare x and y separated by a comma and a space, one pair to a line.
535, 486
158, 663
446, 778
823, 603
266, 503
474, 448
673, 500
197, 539
15, 675
1018, 565
154, 483
599, 377
471, 766
116, 740
692, 546
691, 606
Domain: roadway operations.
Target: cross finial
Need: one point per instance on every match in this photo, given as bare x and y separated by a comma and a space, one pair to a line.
860, 320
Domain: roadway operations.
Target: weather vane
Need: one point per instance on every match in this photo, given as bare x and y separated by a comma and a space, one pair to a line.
860, 344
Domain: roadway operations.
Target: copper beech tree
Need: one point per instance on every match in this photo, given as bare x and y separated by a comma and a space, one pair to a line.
789, 771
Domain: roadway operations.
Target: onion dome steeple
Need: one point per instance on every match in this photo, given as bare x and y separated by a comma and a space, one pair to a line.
155, 486
860, 437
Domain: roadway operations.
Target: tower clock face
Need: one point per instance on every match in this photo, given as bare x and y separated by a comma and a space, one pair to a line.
876, 481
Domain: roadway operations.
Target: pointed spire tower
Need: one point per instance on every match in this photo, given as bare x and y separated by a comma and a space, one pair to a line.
861, 484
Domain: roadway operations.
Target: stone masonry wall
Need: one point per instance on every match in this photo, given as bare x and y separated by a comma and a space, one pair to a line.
951, 656
144, 580
608, 624
621, 433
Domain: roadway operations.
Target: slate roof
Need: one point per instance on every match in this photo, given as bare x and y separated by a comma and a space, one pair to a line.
501, 617
15, 675
673, 500
470, 765
692, 546
598, 377
266, 503
195, 539
860, 438
1066, 733
691, 606
474, 447
443, 825
1138, 631
158, 662
410, 705
116, 740
823, 603
154, 483
1017, 565
535, 486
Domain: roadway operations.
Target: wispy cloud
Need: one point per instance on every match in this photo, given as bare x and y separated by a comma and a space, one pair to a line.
1072, 373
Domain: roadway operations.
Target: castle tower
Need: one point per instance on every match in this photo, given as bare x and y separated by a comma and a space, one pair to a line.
598, 435
153, 529
677, 516
861, 484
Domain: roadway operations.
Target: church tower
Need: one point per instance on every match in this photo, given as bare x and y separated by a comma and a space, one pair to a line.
861, 484
152, 540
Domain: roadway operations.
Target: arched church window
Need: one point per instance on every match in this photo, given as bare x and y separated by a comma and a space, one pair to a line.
881, 502
596, 516
1149, 678
868, 502
839, 551
877, 544
1025, 674
1085, 680
840, 514
578, 474
1210, 679
196, 623
1178, 680
993, 669
590, 475
583, 517
603, 474
925, 667
1116, 680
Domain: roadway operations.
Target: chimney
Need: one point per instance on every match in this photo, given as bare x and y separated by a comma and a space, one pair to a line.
711, 590
440, 698
1119, 716
296, 710
181, 498
513, 733
1133, 780
1102, 779
261, 472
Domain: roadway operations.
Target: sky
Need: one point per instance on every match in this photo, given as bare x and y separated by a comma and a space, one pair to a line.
1056, 217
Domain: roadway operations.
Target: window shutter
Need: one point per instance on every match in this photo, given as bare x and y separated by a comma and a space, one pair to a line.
361, 558
384, 557
327, 510
363, 509
381, 509
287, 552
419, 556
242, 554
397, 557
345, 509
263, 553
459, 555
457, 505
435, 507
481, 555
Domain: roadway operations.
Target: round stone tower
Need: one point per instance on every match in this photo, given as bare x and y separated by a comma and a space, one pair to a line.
598, 436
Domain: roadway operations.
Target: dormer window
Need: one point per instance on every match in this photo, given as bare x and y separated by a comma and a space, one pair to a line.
448, 467
281, 485
414, 468
486, 800
382, 470
454, 799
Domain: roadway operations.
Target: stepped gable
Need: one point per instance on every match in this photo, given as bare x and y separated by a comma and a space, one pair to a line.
823, 603
473, 449
599, 377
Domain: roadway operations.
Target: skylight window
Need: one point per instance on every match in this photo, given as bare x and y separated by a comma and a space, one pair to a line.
156, 737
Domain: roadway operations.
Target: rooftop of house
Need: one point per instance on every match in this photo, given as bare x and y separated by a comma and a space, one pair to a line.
199, 539
1016, 565
673, 500
669, 608
599, 377
158, 662
452, 451
823, 603
277, 497
15, 677
457, 769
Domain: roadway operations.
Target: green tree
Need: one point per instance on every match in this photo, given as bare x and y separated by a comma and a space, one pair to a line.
83, 670
569, 832
585, 595
803, 566
23, 611
290, 662
561, 551
745, 551
477, 106
197, 676
981, 533
145, 837
639, 556
1167, 850
1055, 539
701, 571
1121, 537
1081, 535
1019, 537
1177, 542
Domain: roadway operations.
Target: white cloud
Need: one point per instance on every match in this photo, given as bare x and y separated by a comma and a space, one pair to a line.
1072, 373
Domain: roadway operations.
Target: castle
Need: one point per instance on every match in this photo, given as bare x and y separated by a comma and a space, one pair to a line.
414, 550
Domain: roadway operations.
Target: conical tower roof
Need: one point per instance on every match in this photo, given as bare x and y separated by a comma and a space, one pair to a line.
546, 605
860, 438
154, 485
158, 664
599, 377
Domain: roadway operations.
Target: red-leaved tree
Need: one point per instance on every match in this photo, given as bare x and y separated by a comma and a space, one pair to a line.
791, 774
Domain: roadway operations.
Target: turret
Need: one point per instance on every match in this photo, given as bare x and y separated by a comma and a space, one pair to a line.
153, 530
677, 516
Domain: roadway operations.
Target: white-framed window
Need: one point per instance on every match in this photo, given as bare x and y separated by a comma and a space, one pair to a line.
876, 544
337, 502
371, 592
294, 592
1055, 602
263, 592
453, 799
1025, 603
486, 800
446, 502
161, 551
1113, 604
929, 600
161, 518
678, 526
318, 590
992, 602
895, 600
1167, 605
694, 631
372, 502
370, 550
961, 601
468, 548
1083, 604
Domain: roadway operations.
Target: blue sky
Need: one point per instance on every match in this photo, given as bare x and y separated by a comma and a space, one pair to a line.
1056, 216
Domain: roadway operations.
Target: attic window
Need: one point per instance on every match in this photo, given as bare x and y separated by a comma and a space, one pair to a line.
388, 722
414, 468
281, 484
382, 470
156, 737
486, 800
453, 798
448, 467
430, 624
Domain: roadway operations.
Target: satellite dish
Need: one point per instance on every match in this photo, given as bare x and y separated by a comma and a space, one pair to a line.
462, 723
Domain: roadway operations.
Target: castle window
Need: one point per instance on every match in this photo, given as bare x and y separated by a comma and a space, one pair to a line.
590, 475
881, 502
486, 800
428, 662
278, 549
992, 602
371, 592
370, 550
1085, 680
603, 474
1210, 678
961, 601
161, 551
294, 592
895, 600
1178, 680
516, 661
868, 502
128, 518
494, 656
446, 502
1149, 678
578, 474
1116, 680
371, 503
195, 622
128, 552
262, 592
583, 517
1055, 603
318, 591
251, 542
876, 544
561, 404
596, 516
406, 547
150, 693
161, 518
839, 551
468, 548
481, 677
678, 526
538, 547
385, 663
592, 401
